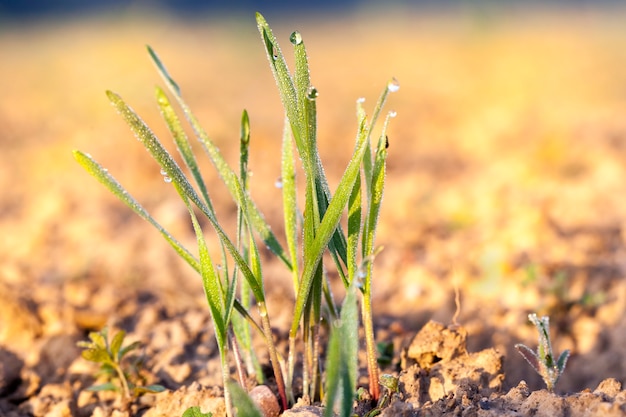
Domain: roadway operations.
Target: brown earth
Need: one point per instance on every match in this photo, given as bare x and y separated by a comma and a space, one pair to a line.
505, 180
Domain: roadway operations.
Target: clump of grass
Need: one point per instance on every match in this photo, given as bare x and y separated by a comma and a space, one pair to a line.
121, 374
543, 360
239, 284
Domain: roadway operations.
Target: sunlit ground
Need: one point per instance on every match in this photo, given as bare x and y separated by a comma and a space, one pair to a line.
506, 166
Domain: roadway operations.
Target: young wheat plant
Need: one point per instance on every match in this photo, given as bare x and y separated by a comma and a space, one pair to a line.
239, 284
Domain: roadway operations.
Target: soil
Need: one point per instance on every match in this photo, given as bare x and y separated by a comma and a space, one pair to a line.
505, 185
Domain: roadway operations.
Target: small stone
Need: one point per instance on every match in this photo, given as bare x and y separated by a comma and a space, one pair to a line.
265, 399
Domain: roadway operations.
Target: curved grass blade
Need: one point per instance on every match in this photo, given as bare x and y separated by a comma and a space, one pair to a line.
283, 79
102, 175
182, 142
184, 188
259, 224
213, 287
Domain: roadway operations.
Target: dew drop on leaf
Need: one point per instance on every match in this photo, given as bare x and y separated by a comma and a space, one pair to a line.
393, 85
312, 93
296, 38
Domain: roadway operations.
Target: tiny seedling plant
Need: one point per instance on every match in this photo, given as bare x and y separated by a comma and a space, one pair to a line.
543, 360
238, 285
121, 374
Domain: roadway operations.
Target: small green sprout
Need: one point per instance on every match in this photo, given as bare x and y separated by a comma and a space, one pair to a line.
119, 373
196, 412
390, 384
543, 360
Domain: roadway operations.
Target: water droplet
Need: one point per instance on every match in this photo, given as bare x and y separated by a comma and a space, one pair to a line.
250, 173
218, 267
296, 38
166, 178
274, 52
393, 114
360, 100
393, 85
361, 274
312, 93
278, 183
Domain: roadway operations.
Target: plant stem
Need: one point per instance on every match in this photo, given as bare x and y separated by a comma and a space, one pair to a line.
123, 381
226, 377
278, 374
241, 373
370, 345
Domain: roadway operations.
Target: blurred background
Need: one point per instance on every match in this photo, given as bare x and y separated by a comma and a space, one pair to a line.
506, 163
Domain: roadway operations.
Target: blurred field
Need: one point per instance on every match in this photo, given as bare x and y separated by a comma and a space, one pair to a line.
506, 167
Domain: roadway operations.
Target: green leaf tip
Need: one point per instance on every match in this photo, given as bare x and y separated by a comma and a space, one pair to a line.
162, 70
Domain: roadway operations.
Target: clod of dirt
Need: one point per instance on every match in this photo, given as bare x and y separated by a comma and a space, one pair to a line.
442, 365
434, 343
10, 367
174, 403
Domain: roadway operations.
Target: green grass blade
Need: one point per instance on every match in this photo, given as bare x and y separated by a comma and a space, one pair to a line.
102, 175
184, 188
341, 359
326, 229
283, 79
305, 99
156, 149
391, 86
290, 208
354, 228
182, 142
213, 287
163, 71
376, 196
243, 404
260, 225
244, 149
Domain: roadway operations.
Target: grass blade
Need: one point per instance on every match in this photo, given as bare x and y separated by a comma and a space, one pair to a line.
244, 405
182, 142
225, 172
102, 175
283, 79
213, 287
326, 230
290, 209
341, 361
184, 188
